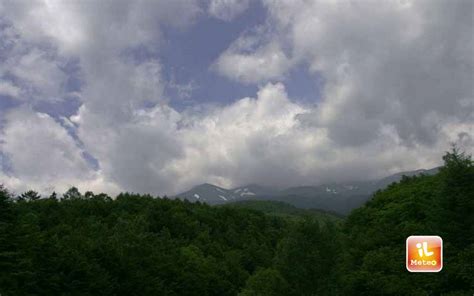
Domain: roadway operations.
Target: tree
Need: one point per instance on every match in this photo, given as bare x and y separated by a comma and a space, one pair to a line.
440, 205
72, 193
7, 241
265, 282
305, 257
456, 217
29, 195
53, 196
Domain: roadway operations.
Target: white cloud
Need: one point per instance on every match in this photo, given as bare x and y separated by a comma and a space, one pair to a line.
249, 62
227, 10
163, 151
42, 73
397, 78
42, 154
263, 140
30, 71
134, 153
183, 90
231, 143
260, 139
8, 89
84, 26
102, 37
407, 64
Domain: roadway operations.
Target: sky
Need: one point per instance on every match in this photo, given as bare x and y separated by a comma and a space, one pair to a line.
159, 96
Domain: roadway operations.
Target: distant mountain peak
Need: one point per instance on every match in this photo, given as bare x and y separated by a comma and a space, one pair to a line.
208, 193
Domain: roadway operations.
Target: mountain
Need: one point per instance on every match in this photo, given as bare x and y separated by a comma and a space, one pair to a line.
382, 183
252, 190
213, 194
340, 198
209, 193
336, 197
352, 188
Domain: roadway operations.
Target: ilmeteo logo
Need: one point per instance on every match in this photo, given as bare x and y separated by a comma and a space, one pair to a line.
424, 253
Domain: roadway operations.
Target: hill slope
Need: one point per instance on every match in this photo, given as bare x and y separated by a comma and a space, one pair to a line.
441, 205
285, 210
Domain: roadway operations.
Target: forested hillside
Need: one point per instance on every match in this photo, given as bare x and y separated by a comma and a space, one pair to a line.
86, 244
284, 210
442, 205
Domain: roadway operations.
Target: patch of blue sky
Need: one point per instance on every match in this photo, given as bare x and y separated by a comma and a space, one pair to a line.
187, 56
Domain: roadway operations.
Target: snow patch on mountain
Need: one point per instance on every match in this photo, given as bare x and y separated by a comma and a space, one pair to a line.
245, 192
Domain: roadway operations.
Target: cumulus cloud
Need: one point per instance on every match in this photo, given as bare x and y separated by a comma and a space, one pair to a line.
227, 10
81, 26
233, 144
41, 152
29, 71
249, 61
42, 73
401, 64
162, 150
9, 89
261, 139
102, 37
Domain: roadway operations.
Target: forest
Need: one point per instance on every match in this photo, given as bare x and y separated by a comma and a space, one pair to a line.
131, 244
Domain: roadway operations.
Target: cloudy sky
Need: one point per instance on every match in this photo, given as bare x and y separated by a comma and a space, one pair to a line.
158, 96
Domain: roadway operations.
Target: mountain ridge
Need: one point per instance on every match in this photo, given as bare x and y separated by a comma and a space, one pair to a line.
337, 197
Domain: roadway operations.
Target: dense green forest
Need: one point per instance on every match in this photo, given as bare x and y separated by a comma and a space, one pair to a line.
284, 210
87, 244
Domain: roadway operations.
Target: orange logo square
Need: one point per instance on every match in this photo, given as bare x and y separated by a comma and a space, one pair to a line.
424, 253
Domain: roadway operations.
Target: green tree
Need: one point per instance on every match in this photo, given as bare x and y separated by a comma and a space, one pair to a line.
53, 196
8, 253
376, 234
456, 202
266, 282
306, 258
72, 193
29, 195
